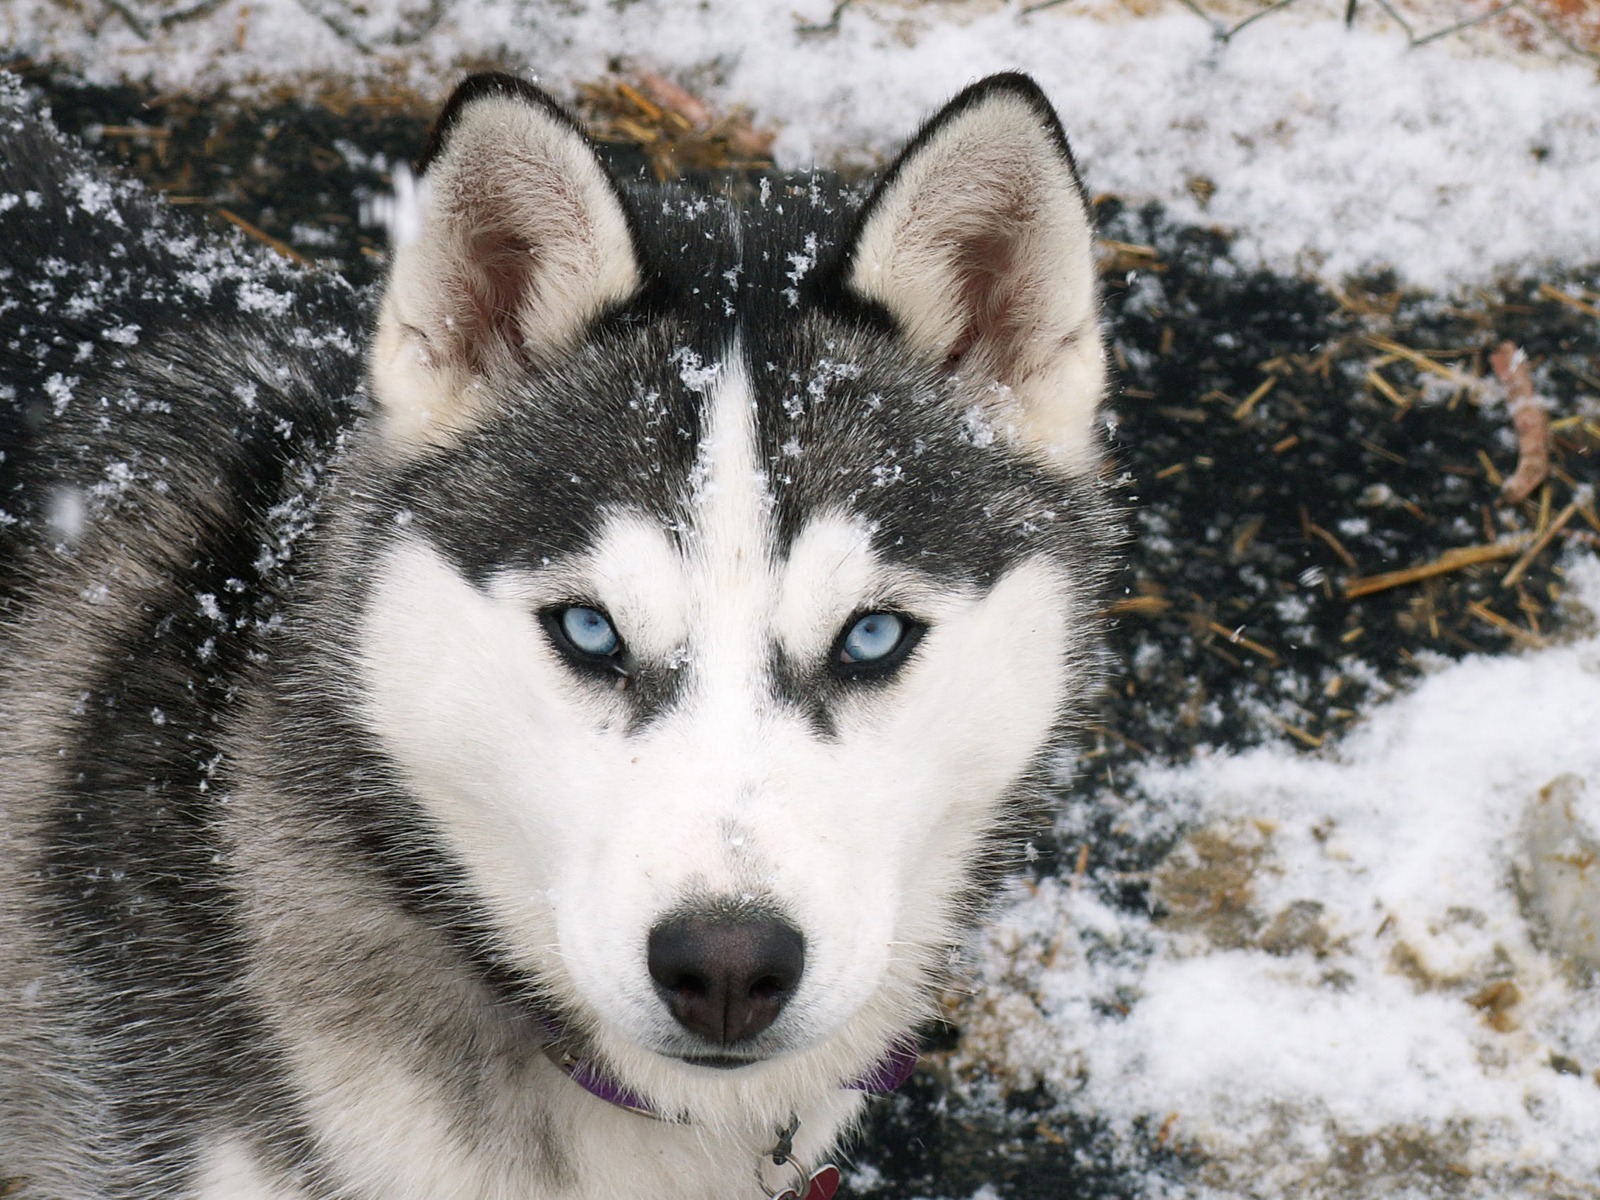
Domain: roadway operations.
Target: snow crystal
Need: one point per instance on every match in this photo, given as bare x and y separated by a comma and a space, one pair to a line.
800, 263
976, 427
400, 213
97, 198
59, 388
257, 297
118, 478
67, 512
696, 376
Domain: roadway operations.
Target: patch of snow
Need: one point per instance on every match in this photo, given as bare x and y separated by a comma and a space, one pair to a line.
1324, 149
1343, 957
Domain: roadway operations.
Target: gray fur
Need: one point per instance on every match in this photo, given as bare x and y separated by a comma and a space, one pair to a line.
228, 922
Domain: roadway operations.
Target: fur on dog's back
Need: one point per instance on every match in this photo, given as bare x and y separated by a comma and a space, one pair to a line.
286, 899
168, 403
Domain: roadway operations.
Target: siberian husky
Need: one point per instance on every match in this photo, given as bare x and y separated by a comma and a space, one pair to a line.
542, 735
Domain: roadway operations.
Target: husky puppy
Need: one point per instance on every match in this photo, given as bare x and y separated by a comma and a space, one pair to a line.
545, 735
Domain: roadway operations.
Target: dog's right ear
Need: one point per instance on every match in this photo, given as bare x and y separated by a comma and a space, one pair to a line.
519, 240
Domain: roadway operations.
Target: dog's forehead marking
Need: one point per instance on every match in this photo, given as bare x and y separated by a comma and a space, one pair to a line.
723, 591
717, 591
729, 540
751, 593
725, 584
731, 502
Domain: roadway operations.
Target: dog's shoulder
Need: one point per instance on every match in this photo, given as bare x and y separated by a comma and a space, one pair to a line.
145, 355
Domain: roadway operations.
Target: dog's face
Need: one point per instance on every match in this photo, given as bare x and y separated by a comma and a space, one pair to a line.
733, 585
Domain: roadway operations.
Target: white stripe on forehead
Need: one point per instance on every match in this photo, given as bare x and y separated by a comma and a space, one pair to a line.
731, 503
729, 542
716, 599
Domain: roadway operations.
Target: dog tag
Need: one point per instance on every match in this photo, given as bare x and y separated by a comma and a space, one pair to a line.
822, 1185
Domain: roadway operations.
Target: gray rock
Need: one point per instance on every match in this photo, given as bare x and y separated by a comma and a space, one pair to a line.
1558, 874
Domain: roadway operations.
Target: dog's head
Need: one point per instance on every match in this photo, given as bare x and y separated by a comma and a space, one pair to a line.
735, 572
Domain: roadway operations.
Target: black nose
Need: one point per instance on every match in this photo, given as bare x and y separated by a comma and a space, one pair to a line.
726, 978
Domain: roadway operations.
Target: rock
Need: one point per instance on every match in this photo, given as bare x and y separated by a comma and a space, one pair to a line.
1559, 873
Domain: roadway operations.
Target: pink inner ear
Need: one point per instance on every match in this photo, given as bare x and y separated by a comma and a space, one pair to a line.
989, 299
493, 289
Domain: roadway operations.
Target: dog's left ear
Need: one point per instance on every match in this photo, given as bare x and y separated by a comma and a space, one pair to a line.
978, 242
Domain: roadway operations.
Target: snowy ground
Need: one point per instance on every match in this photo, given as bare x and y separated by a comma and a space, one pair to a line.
1363, 972
1325, 149
1370, 975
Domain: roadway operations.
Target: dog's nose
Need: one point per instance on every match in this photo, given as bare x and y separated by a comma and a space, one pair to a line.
726, 978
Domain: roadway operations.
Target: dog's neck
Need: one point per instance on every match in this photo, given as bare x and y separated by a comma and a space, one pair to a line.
887, 1074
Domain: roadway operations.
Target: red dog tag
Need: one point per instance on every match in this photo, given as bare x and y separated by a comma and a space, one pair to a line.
822, 1185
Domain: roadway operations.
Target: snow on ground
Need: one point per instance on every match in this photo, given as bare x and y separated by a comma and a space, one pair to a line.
1329, 150
1372, 971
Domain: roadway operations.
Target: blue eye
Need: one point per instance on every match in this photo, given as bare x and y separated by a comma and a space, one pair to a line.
872, 637
877, 639
589, 631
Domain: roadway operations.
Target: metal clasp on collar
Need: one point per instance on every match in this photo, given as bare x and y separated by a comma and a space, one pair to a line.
820, 1184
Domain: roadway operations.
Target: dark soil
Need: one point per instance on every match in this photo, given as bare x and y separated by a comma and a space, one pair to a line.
1248, 518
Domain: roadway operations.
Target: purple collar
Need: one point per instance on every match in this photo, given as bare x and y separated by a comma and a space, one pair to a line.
888, 1073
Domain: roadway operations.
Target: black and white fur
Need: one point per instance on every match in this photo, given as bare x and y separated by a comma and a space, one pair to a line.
313, 828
